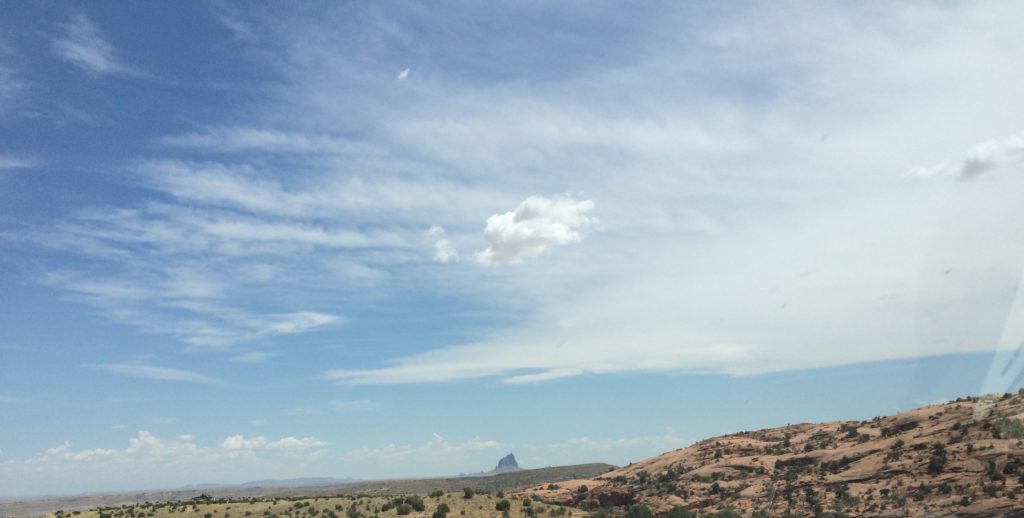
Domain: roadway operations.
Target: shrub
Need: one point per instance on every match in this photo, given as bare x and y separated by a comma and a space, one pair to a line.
638, 511
468, 492
503, 505
583, 489
681, 512
403, 509
416, 502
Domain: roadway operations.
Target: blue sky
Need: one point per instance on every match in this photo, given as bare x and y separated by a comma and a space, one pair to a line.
382, 240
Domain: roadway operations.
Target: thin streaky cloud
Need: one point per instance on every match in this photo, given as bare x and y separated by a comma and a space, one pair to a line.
153, 372
84, 45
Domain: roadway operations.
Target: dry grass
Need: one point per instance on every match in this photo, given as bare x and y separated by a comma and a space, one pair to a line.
480, 506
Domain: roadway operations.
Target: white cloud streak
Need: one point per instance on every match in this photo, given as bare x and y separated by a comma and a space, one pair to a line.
153, 372
355, 404
84, 45
982, 159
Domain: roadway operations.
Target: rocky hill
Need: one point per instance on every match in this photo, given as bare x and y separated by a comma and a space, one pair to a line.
961, 458
507, 463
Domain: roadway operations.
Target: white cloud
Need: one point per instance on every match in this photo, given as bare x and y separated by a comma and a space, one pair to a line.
296, 444
980, 160
403, 74
84, 45
254, 357
356, 404
147, 459
436, 447
248, 139
659, 443
535, 225
444, 251
550, 374
297, 322
239, 443
153, 372
16, 162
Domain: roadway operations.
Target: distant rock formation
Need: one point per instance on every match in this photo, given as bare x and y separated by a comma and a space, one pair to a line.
507, 463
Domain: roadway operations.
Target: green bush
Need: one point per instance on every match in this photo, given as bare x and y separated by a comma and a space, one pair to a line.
503, 505
416, 502
403, 509
681, 512
468, 492
638, 511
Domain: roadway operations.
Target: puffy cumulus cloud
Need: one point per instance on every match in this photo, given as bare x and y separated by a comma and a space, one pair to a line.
535, 225
983, 158
444, 251
436, 447
182, 448
147, 459
296, 444
239, 442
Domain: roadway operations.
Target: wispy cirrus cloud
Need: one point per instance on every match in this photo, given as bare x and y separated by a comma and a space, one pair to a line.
17, 162
248, 139
254, 357
154, 372
84, 45
345, 405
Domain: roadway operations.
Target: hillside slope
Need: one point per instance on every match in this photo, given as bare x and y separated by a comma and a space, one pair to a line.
493, 483
961, 458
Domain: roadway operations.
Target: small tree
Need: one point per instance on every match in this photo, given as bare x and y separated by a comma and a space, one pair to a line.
638, 511
468, 492
403, 509
502, 505
681, 512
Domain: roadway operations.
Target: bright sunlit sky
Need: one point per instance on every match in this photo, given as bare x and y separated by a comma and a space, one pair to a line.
375, 240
